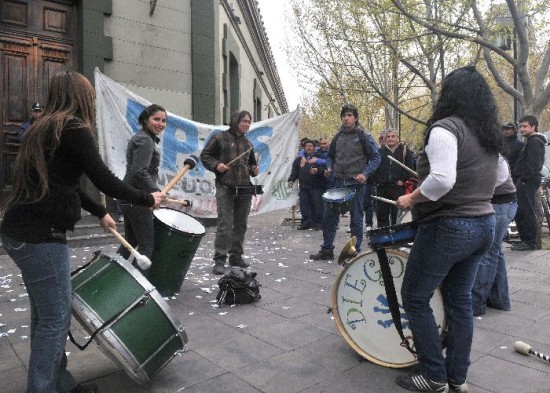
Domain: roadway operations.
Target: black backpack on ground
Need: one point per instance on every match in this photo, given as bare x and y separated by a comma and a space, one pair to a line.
238, 287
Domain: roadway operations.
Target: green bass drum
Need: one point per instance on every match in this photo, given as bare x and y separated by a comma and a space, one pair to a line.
136, 329
177, 237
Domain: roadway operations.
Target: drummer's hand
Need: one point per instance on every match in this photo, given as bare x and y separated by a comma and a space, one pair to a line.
107, 222
255, 170
303, 162
360, 178
290, 184
159, 198
221, 167
404, 202
327, 172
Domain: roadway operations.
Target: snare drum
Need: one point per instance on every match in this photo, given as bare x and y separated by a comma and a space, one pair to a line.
362, 313
340, 199
144, 335
392, 236
177, 237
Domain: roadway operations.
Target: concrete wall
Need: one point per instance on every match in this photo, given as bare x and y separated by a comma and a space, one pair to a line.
152, 53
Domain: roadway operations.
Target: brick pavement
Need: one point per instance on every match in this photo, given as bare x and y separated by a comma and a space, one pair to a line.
287, 342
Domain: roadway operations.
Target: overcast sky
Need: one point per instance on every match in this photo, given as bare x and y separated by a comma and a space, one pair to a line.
273, 12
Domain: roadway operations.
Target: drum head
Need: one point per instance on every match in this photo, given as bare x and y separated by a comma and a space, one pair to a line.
338, 195
362, 314
179, 221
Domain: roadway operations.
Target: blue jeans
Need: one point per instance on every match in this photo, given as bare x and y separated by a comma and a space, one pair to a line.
491, 283
526, 217
446, 254
331, 216
46, 272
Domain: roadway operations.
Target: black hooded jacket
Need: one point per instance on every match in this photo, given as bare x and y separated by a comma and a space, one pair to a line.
531, 158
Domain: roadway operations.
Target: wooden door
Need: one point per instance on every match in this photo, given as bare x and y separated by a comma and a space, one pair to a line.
37, 39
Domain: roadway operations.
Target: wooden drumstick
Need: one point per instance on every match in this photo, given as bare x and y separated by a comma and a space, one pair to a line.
405, 167
384, 200
526, 349
184, 202
236, 158
142, 261
189, 163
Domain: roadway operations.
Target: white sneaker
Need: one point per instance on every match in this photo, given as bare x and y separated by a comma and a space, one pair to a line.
368, 228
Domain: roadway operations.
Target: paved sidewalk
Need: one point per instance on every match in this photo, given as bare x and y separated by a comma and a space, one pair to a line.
287, 342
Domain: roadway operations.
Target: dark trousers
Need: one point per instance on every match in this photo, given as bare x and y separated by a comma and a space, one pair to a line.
311, 207
386, 213
369, 205
526, 216
138, 230
232, 222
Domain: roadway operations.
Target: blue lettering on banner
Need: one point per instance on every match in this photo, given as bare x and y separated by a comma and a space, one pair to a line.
260, 148
182, 137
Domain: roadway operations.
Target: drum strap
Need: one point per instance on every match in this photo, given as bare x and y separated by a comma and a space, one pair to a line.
392, 297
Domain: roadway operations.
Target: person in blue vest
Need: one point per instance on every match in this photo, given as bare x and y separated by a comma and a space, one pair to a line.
312, 185
353, 157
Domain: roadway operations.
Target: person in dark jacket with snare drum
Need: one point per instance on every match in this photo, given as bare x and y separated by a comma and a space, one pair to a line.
230, 155
46, 202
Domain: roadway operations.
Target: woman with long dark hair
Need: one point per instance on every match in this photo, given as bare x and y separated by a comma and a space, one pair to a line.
46, 201
458, 169
142, 168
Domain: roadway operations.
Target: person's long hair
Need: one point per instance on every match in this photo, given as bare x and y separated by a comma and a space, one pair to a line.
70, 96
466, 94
236, 118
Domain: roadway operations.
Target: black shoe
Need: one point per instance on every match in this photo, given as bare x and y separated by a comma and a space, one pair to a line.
303, 228
523, 247
419, 383
317, 228
239, 263
219, 268
453, 387
85, 388
322, 255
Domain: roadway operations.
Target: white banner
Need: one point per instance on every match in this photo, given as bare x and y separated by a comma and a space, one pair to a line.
275, 141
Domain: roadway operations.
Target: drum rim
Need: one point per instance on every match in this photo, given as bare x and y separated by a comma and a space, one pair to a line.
160, 222
342, 329
137, 372
350, 195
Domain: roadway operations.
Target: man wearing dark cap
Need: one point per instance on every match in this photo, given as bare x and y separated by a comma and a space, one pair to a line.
36, 110
352, 157
512, 145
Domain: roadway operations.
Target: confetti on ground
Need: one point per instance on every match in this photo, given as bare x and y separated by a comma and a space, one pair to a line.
19, 309
222, 313
241, 326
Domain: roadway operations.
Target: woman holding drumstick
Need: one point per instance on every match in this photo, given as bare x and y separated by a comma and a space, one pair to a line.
142, 167
458, 169
45, 202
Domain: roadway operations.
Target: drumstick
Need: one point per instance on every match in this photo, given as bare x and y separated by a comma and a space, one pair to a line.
142, 261
384, 200
405, 167
189, 163
236, 158
526, 349
185, 202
